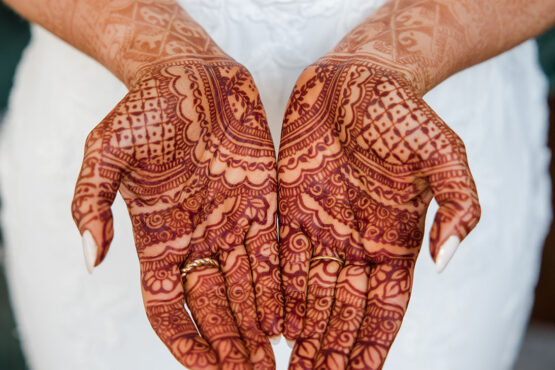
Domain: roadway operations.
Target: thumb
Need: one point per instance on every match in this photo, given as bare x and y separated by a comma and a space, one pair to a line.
459, 209
95, 191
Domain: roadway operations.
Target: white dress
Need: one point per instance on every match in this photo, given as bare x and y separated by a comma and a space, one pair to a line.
470, 317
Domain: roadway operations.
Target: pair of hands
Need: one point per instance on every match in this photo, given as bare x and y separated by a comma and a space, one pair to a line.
360, 159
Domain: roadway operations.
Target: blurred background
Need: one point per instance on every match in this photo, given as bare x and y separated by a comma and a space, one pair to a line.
538, 345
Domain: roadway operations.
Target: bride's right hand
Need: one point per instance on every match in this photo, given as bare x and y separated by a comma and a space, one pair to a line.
190, 151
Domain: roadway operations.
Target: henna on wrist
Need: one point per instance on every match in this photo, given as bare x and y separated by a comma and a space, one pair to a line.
429, 40
124, 36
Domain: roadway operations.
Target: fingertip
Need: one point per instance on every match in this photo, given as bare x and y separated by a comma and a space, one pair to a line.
101, 229
292, 327
90, 250
275, 340
272, 327
446, 252
295, 308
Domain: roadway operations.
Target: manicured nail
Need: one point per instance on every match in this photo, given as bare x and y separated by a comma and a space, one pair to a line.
89, 250
275, 339
446, 252
290, 343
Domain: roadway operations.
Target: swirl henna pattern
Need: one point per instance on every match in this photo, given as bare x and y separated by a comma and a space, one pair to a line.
190, 152
361, 157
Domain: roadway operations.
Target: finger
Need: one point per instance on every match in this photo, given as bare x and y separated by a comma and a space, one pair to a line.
321, 287
295, 252
95, 191
262, 248
240, 294
205, 293
163, 296
459, 208
388, 297
348, 310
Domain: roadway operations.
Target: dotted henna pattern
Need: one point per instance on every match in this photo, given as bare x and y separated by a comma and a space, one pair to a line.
191, 154
361, 157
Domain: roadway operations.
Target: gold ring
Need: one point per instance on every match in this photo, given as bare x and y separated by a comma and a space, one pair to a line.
327, 258
198, 263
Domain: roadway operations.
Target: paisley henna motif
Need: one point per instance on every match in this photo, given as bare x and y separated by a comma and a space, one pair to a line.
361, 157
191, 154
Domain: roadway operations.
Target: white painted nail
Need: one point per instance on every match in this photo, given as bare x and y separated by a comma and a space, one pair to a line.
275, 339
90, 250
290, 343
446, 252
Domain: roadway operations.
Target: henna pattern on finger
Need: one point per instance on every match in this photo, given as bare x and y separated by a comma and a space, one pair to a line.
206, 298
361, 157
347, 313
319, 302
236, 269
388, 297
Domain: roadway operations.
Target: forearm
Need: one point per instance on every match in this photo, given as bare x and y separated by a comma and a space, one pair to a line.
429, 40
124, 36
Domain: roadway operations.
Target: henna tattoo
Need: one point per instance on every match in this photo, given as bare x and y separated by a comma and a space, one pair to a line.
192, 156
206, 298
321, 286
390, 286
429, 40
361, 157
126, 36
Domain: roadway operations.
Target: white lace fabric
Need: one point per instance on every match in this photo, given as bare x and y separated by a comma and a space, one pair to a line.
470, 317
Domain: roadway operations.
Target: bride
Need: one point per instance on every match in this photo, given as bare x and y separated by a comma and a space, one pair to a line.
181, 189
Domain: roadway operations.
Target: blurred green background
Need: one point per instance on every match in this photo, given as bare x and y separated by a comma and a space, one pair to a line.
14, 35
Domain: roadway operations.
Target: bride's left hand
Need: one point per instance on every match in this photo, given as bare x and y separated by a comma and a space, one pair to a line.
361, 157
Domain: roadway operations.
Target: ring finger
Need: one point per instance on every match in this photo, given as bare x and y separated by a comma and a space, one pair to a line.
205, 294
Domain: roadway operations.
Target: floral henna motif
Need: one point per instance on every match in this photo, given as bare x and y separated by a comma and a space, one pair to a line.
361, 157
191, 154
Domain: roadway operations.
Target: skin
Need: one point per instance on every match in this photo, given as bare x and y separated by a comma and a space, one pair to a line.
189, 150
361, 157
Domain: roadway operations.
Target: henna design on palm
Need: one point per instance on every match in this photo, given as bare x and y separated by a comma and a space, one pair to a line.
361, 158
190, 152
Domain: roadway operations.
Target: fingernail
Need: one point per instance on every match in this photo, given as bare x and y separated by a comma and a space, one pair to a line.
290, 343
446, 252
275, 339
89, 250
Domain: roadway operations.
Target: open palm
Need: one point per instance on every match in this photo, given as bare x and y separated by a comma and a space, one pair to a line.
361, 157
190, 152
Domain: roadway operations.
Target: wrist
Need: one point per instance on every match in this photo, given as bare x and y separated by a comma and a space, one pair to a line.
417, 78
139, 35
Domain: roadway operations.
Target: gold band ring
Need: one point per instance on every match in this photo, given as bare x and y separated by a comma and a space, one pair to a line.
327, 258
201, 262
